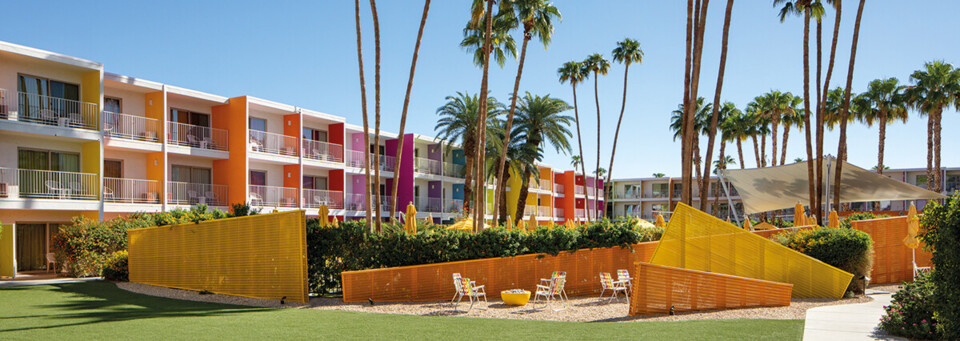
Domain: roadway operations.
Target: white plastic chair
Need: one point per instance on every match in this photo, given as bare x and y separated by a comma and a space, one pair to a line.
51, 259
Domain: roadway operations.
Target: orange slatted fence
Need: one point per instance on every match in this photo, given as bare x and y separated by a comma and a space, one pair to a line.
658, 288
432, 282
261, 256
770, 233
892, 260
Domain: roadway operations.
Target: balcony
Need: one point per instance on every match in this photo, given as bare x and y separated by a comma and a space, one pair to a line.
354, 202
579, 190
546, 185
324, 151
453, 170
52, 111
131, 191
433, 205
387, 163
355, 159
544, 211
272, 196
558, 213
558, 189
314, 198
579, 213
42, 184
187, 193
130, 127
272, 143
189, 135
455, 206
427, 166
657, 194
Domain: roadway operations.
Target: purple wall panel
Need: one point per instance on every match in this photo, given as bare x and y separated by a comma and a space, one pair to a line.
434, 189
434, 151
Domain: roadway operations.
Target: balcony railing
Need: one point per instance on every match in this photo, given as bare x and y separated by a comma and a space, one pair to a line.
558, 213
5, 106
544, 211
42, 184
433, 205
131, 127
387, 163
354, 202
314, 198
133, 191
324, 151
577, 189
187, 193
355, 158
273, 143
558, 188
55, 111
656, 194
427, 166
530, 209
453, 170
546, 185
271, 196
189, 135
455, 206
579, 213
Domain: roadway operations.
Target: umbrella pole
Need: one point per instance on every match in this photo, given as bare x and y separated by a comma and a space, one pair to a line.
726, 192
828, 191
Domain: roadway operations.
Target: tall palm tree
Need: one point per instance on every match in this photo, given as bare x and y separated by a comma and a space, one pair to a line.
376, 96
776, 104
758, 110
696, 23
599, 66
406, 104
737, 127
540, 123
459, 118
842, 149
627, 52
701, 124
935, 87
715, 118
574, 73
537, 17
793, 117
884, 104
366, 125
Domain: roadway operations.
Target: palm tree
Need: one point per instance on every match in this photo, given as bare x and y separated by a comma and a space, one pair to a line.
540, 122
702, 114
406, 104
659, 175
798, 160
537, 17
738, 126
376, 96
459, 118
935, 87
727, 109
715, 118
793, 117
599, 66
722, 162
756, 110
842, 149
627, 52
884, 104
575, 73
774, 105
575, 161
696, 23
366, 125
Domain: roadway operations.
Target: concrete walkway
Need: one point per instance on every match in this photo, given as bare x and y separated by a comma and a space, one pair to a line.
848, 322
41, 278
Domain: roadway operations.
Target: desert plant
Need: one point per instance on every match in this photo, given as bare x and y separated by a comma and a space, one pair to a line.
911, 314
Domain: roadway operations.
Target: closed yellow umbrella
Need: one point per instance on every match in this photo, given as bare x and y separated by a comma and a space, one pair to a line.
522, 225
410, 223
660, 221
811, 220
430, 219
509, 223
913, 227
747, 225
334, 222
322, 212
550, 224
533, 221
834, 220
728, 221
799, 216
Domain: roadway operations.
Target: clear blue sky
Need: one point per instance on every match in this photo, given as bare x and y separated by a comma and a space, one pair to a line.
304, 54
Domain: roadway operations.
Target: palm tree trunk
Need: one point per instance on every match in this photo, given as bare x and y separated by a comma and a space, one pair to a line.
740, 152
716, 104
616, 133
775, 125
522, 199
482, 124
596, 170
501, 200
881, 142
806, 104
701, 18
506, 135
756, 150
930, 151
686, 139
844, 111
403, 114
937, 171
838, 4
763, 150
783, 146
366, 125
468, 151
721, 166
376, 129
576, 119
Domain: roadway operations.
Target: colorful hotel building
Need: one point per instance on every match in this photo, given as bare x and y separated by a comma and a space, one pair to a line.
76, 140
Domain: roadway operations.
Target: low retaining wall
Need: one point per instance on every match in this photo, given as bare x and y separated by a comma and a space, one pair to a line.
892, 260
432, 282
657, 289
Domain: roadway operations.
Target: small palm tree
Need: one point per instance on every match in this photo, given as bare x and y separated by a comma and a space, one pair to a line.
883, 103
935, 87
627, 52
575, 161
798, 160
540, 122
599, 66
659, 175
574, 73
458, 119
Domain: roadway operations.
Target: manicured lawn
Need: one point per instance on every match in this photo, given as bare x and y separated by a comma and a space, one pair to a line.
98, 310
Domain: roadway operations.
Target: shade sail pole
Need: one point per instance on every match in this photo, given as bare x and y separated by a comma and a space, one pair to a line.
726, 191
828, 191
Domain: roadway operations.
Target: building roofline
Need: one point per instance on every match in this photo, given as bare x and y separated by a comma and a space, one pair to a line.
51, 56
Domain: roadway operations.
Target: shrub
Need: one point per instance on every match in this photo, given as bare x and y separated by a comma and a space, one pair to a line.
911, 312
940, 231
848, 221
115, 267
331, 251
847, 249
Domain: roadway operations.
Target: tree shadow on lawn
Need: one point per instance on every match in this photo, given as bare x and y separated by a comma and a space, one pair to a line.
98, 302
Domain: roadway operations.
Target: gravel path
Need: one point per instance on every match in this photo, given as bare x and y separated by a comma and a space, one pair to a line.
582, 309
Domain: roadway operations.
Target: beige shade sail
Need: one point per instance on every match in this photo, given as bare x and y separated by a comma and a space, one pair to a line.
774, 188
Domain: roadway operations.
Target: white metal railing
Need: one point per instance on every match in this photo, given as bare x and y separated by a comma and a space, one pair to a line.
544, 211
427, 166
42, 184
529, 209
49, 110
387, 163
657, 194
558, 188
273, 143
428, 204
5, 106
455, 206
314, 198
355, 202
187, 193
355, 158
385, 201
599, 192
134, 191
579, 213
453, 170
130, 127
546, 185
325, 151
272, 196
577, 189
189, 135
558, 213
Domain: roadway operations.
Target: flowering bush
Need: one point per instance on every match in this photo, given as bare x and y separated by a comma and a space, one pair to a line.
115, 267
940, 231
911, 314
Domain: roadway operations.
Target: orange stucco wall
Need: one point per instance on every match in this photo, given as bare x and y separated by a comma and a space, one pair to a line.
232, 171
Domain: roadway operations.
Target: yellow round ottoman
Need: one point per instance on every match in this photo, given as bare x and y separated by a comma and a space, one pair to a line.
515, 297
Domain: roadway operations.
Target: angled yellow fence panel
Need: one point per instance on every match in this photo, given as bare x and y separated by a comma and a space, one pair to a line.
261, 256
698, 241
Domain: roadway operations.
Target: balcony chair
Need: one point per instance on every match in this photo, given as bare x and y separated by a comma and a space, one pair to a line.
198, 143
194, 198
256, 145
255, 199
108, 194
212, 197
607, 282
54, 187
77, 187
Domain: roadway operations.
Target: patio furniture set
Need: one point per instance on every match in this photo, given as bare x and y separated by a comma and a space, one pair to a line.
548, 291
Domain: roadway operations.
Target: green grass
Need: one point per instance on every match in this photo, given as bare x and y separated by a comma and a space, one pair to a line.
98, 310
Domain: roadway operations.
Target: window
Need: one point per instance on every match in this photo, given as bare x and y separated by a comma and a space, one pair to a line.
677, 189
314, 182
113, 105
258, 178
38, 95
953, 183
922, 181
196, 175
660, 190
258, 124
48, 160
189, 117
314, 135
113, 169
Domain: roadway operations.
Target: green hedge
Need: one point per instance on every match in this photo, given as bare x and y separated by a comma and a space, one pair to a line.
848, 221
351, 246
847, 249
940, 231
115, 267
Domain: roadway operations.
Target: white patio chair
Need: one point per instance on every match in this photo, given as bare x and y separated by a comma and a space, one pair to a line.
51, 259
469, 289
607, 282
212, 197
255, 198
55, 187
623, 277
546, 294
